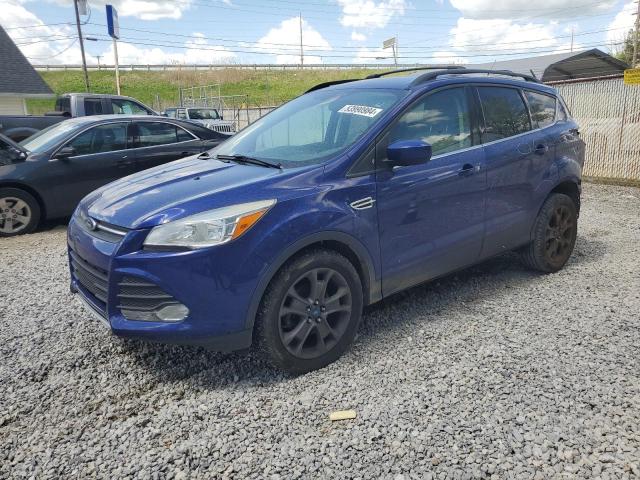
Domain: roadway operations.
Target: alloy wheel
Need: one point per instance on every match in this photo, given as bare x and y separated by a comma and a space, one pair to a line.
15, 215
559, 234
315, 313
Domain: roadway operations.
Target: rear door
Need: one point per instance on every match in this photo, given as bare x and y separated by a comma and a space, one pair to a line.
509, 145
158, 142
101, 156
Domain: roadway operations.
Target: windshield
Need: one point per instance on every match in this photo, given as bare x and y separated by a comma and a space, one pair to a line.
203, 114
49, 137
312, 128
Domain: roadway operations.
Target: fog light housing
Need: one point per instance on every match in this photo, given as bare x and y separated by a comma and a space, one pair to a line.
175, 312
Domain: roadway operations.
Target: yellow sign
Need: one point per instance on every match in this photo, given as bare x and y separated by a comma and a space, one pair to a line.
632, 76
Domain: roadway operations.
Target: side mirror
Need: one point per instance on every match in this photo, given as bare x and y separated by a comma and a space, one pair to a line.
409, 152
65, 152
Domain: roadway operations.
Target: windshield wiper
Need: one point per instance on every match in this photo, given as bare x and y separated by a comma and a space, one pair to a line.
251, 160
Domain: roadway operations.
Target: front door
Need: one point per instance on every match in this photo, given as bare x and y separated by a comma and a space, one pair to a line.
100, 157
431, 216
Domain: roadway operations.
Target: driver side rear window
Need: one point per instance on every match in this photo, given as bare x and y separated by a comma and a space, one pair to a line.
505, 113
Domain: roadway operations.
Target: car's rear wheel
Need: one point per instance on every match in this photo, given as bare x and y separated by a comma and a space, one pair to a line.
19, 212
310, 313
554, 235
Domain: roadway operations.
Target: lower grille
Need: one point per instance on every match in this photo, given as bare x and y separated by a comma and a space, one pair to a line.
141, 300
93, 279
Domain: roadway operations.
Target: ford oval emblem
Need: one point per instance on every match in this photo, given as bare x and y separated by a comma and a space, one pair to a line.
91, 223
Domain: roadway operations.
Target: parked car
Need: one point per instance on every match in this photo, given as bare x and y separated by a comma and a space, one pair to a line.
58, 166
20, 127
209, 117
341, 197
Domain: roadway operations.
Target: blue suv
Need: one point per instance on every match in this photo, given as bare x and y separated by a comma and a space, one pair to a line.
349, 193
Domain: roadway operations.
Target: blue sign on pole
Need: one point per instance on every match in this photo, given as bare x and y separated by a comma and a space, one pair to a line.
113, 27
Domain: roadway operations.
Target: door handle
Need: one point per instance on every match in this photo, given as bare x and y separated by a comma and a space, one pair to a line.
184, 154
466, 170
541, 149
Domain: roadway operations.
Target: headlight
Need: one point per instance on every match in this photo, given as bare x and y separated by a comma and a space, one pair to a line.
206, 229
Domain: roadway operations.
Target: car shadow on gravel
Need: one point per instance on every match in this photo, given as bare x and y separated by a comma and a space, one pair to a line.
417, 305
432, 299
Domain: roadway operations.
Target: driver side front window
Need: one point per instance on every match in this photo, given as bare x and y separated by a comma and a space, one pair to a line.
440, 119
103, 138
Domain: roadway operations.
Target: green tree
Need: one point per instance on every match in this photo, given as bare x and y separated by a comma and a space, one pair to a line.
624, 52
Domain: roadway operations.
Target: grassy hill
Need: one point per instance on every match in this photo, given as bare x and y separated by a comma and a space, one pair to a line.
263, 87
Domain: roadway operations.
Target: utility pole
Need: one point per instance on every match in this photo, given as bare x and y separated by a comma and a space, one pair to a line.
84, 60
115, 61
301, 49
635, 38
395, 51
572, 27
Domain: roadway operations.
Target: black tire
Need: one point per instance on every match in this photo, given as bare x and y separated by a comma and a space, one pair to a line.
554, 235
27, 207
293, 331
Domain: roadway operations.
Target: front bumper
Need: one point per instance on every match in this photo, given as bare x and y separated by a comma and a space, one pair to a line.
216, 290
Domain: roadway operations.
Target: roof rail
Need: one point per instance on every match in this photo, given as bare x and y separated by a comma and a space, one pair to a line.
414, 69
333, 82
466, 71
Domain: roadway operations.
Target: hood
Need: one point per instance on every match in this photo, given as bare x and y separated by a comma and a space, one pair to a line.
190, 186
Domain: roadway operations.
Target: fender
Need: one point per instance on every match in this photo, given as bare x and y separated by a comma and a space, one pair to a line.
373, 286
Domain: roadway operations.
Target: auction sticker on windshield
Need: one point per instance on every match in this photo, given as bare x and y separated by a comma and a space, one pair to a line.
360, 110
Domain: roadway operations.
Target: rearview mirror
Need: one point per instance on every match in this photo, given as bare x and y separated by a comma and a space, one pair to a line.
65, 152
409, 152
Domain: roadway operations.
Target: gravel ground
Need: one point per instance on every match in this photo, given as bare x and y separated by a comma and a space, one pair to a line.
495, 372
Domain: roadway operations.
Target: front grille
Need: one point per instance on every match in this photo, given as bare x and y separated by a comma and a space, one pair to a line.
103, 231
140, 299
93, 279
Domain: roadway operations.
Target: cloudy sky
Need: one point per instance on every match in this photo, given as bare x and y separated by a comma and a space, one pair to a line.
333, 31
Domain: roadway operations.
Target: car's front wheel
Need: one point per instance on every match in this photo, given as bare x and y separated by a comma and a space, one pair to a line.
19, 212
554, 234
310, 313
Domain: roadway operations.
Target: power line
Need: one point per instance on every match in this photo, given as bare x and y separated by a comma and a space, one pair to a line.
58, 53
219, 49
311, 47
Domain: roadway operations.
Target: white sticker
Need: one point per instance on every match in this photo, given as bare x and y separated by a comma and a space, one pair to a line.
360, 110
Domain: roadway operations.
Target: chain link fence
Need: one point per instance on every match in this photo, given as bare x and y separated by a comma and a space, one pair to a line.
608, 112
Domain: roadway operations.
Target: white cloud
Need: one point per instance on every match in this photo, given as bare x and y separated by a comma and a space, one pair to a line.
198, 51
284, 42
50, 45
513, 9
42, 45
370, 14
358, 37
496, 35
373, 55
622, 23
448, 57
143, 9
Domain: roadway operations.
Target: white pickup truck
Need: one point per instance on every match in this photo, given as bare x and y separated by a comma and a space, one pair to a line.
209, 117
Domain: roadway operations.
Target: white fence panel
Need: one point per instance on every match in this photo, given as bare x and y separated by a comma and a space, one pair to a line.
608, 112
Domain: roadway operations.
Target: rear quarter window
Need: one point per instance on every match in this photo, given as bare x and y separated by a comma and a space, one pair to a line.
542, 108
